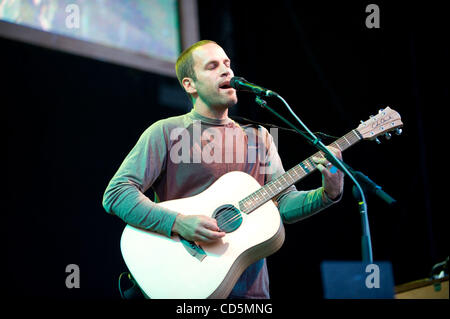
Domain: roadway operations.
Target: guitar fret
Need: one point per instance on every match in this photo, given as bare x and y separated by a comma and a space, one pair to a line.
345, 138
292, 179
304, 167
337, 145
311, 163
295, 171
357, 134
300, 171
263, 194
279, 184
264, 190
283, 177
269, 187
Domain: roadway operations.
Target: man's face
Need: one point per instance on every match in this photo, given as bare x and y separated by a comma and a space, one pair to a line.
213, 71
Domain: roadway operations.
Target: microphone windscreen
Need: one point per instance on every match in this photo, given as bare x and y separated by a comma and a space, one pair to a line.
234, 82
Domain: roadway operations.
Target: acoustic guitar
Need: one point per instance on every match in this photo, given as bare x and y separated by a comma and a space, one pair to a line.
173, 267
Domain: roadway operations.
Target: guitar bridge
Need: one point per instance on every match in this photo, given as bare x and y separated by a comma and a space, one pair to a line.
192, 248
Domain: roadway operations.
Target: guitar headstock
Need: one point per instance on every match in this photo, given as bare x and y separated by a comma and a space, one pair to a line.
385, 121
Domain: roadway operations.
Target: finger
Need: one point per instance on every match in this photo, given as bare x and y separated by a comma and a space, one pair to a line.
321, 163
320, 160
337, 152
211, 235
202, 239
324, 163
211, 224
321, 168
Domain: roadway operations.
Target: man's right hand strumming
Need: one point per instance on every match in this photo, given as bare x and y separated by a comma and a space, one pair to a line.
197, 228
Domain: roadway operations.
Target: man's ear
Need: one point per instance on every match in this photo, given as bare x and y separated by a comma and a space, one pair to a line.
189, 85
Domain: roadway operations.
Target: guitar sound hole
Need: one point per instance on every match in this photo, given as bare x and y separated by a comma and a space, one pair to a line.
228, 218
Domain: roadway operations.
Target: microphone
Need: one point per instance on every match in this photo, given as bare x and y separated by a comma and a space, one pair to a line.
241, 84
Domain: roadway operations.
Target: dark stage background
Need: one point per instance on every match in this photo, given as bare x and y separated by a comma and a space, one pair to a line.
72, 120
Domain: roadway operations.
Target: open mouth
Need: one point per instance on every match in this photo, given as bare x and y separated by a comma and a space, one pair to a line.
225, 86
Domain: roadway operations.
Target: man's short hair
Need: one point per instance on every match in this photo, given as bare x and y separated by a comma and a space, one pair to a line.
185, 62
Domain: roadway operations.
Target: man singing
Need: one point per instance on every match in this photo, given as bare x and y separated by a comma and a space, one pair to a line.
204, 71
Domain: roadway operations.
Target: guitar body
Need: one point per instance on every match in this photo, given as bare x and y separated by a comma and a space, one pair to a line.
164, 268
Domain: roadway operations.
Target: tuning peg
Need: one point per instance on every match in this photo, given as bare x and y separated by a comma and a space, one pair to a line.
377, 140
388, 136
398, 131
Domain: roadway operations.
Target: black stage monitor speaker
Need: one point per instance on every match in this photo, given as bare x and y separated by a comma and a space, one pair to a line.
357, 280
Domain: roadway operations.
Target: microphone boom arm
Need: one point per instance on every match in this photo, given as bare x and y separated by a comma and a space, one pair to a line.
366, 243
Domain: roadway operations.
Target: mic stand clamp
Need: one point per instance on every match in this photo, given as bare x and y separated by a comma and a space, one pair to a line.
369, 186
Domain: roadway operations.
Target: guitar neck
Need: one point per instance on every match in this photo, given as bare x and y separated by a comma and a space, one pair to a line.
292, 176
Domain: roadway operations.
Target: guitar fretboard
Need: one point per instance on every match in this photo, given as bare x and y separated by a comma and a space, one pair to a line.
292, 176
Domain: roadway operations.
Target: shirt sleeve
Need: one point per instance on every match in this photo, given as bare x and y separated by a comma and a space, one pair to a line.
124, 195
294, 205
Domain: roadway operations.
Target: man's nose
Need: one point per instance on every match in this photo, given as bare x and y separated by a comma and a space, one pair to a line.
225, 71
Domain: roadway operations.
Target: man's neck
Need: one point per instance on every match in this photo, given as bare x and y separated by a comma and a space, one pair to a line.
218, 113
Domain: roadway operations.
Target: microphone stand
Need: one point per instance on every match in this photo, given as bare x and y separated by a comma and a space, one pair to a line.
366, 243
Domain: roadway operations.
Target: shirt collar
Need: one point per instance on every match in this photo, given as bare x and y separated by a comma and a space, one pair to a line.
197, 116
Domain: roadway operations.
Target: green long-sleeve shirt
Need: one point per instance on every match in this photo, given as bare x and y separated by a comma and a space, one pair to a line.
182, 156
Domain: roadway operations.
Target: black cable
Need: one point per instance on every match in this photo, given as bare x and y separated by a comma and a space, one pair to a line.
243, 119
120, 287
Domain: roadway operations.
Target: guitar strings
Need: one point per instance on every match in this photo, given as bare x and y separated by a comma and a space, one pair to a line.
232, 219
348, 139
